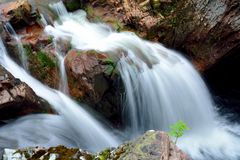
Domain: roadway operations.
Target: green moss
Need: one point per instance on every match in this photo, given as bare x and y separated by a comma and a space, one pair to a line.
109, 70
108, 61
27, 49
44, 60
89, 10
50, 39
104, 155
118, 26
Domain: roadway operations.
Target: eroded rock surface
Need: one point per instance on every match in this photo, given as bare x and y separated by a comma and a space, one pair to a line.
18, 13
92, 79
153, 145
17, 98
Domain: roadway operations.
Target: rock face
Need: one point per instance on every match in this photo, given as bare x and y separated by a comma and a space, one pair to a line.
18, 13
224, 83
37, 48
17, 98
204, 30
154, 145
92, 80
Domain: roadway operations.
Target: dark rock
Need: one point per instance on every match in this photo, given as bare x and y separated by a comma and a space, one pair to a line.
17, 98
73, 5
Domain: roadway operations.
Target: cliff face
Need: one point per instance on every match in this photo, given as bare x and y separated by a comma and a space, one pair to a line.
204, 30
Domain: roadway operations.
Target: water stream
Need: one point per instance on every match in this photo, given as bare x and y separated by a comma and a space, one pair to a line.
88, 132
161, 86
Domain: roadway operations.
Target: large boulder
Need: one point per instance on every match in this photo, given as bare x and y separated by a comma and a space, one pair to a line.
92, 79
18, 13
17, 98
154, 145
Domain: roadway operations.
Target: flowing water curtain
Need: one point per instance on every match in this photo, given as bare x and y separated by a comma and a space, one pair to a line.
161, 86
88, 132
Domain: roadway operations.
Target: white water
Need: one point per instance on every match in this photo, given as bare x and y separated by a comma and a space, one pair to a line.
61, 11
162, 87
22, 55
87, 132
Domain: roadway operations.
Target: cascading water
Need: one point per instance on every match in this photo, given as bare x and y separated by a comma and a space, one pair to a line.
22, 55
161, 86
82, 128
61, 11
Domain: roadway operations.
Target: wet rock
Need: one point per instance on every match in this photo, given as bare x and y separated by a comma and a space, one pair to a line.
153, 145
42, 64
18, 13
204, 30
17, 98
73, 5
92, 79
34, 46
59, 152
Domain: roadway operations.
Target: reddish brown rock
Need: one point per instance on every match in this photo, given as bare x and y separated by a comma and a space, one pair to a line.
92, 80
153, 145
17, 98
18, 13
204, 30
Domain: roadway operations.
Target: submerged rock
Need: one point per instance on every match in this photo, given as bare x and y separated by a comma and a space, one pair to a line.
153, 145
92, 79
17, 98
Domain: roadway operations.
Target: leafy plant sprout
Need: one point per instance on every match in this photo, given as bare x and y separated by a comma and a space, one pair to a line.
177, 130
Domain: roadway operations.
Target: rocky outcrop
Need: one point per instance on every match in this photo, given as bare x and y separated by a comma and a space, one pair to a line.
154, 145
73, 5
92, 79
53, 153
18, 13
204, 30
37, 52
17, 98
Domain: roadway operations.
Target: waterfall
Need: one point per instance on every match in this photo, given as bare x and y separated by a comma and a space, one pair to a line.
87, 131
61, 11
23, 56
161, 86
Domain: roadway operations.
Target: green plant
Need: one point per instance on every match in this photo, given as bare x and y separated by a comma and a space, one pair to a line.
118, 26
27, 49
44, 60
177, 130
